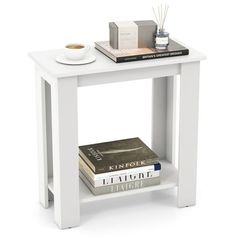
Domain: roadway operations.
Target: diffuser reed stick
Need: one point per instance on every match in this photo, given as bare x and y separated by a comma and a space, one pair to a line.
161, 37
160, 15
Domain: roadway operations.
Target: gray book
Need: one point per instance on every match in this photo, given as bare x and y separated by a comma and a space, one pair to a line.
121, 186
117, 155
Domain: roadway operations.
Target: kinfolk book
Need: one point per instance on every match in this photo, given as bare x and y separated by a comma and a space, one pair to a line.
113, 174
117, 155
125, 55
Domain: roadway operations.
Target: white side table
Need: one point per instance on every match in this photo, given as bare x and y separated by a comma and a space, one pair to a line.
58, 135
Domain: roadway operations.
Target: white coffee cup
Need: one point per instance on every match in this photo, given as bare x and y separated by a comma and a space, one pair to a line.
76, 51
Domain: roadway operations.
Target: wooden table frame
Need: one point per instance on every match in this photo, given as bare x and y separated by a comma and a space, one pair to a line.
56, 87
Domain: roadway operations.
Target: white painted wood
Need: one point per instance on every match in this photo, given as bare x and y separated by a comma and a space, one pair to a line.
46, 60
42, 139
128, 75
164, 117
49, 129
171, 118
45, 75
63, 80
65, 152
49, 133
168, 180
159, 104
188, 134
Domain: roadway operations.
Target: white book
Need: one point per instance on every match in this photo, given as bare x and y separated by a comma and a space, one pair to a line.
120, 187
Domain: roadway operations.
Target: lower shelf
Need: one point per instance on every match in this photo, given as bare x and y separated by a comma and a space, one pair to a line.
168, 180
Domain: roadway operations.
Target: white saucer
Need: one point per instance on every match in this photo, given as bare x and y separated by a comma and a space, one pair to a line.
63, 60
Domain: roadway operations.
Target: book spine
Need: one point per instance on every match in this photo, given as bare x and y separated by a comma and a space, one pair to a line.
112, 174
120, 178
153, 56
128, 165
122, 186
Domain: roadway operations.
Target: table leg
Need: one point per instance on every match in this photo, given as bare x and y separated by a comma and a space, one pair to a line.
65, 152
163, 117
159, 100
49, 134
41, 100
171, 111
188, 134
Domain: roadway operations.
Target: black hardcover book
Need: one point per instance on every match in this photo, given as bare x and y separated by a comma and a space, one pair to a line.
125, 55
117, 155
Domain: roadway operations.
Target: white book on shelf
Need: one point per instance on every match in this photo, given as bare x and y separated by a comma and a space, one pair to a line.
123, 177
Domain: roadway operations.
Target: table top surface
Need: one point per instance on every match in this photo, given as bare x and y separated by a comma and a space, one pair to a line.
46, 61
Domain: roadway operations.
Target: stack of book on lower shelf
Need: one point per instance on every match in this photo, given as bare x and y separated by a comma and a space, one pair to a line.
118, 166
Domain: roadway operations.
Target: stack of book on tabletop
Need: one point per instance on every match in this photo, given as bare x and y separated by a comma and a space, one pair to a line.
139, 40
118, 166
125, 55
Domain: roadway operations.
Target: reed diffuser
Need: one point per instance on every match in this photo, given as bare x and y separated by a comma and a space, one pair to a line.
161, 37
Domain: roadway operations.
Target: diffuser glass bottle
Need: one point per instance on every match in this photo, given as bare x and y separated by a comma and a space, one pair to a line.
162, 39
161, 36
